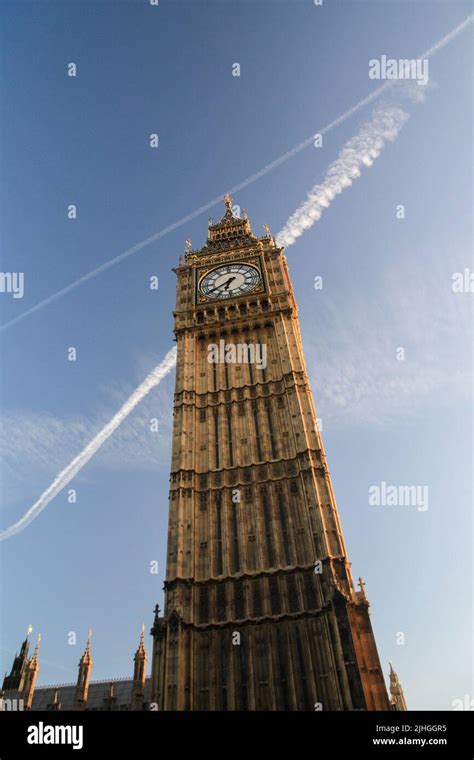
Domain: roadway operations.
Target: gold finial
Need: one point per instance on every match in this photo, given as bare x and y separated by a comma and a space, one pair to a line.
188, 245
267, 230
29, 630
228, 201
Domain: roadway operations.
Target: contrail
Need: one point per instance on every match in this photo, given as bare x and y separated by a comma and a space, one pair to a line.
236, 188
359, 151
66, 475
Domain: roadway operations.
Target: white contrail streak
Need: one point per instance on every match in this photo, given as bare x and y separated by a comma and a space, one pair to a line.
449, 37
245, 183
69, 472
361, 150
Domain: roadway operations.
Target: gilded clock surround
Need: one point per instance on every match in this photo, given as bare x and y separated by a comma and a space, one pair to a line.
201, 274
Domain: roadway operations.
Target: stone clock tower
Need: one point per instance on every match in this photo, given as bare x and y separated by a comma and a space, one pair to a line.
261, 612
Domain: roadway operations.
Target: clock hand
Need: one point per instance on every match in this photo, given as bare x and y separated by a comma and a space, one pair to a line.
225, 286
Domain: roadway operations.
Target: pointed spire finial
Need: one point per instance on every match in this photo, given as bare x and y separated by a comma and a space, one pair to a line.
397, 697
228, 201
88, 643
267, 230
188, 245
29, 630
141, 653
35, 653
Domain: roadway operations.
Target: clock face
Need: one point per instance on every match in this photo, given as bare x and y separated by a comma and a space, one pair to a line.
230, 281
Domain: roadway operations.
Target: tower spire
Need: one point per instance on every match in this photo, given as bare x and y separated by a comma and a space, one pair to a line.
139, 674
397, 697
83, 678
16, 680
228, 231
229, 211
31, 676
35, 653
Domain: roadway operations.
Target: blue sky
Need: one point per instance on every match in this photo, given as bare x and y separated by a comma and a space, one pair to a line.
386, 284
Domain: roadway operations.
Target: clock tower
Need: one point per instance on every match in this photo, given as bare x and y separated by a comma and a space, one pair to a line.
261, 611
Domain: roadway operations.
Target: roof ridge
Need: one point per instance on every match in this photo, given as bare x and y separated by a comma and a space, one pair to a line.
91, 683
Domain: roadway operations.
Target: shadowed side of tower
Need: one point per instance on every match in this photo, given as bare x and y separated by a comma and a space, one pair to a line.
261, 612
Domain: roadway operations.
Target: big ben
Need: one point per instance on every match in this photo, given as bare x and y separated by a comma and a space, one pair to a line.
261, 611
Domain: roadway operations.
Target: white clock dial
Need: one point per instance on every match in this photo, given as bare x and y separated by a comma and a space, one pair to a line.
229, 281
